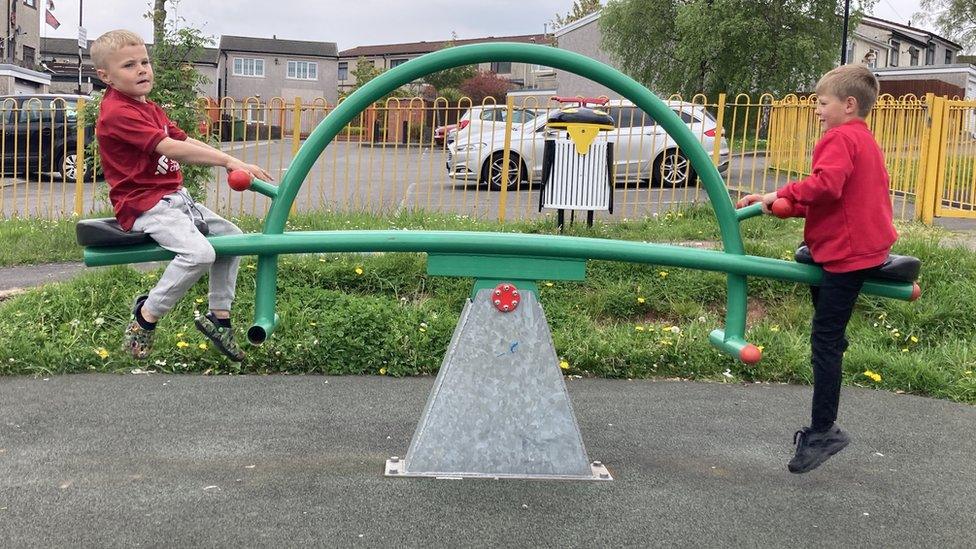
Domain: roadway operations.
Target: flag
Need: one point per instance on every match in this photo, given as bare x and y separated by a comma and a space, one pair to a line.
51, 20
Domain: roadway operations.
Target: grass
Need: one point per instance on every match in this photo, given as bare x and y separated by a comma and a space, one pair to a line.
623, 321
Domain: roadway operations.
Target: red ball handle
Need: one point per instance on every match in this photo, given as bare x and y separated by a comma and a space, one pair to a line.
239, 180
782, 208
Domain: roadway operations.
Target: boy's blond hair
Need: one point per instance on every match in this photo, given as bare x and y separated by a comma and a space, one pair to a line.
855, 81
110, 42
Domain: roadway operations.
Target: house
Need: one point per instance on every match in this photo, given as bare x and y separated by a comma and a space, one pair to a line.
583, 36
59, 58
19, 44
387, 56
884, 44
263, 68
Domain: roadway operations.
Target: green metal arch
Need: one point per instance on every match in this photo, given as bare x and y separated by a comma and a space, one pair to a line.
504, 51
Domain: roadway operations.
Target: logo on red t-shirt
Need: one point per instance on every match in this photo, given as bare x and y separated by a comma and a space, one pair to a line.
165, 165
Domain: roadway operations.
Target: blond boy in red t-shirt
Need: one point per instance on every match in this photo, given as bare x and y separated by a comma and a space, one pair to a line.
141, 151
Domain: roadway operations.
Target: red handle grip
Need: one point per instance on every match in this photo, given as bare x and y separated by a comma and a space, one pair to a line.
239, 180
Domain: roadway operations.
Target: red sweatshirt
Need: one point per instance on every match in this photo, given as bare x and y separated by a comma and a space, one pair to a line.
845, 201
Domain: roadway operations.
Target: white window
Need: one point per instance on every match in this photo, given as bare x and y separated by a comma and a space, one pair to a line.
248, 66
255, 113
303, 70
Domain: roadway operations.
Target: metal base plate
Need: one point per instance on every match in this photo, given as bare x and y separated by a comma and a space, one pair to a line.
396, 467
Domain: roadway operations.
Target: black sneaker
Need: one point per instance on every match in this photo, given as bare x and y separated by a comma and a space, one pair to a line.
813, 448
222, 338
137, 340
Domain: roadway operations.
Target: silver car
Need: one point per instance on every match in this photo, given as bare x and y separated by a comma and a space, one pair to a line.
642, 149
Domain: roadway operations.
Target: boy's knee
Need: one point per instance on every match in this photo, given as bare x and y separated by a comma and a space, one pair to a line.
203, 257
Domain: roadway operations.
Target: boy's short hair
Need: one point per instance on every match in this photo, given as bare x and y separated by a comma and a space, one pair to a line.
110, 42
855, 81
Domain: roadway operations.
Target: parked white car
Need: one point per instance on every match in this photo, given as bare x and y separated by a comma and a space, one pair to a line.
642, 149
477, 121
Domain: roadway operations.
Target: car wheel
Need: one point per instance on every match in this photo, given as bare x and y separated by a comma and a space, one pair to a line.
673, 169
68, 168
492, 171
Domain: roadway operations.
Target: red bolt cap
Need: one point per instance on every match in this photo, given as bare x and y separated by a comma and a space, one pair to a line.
239, 180
506, 297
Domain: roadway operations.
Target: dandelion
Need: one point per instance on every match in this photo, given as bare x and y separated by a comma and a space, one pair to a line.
904, 350
774, 328
761, 348
202, 346
102, 353
199, 300
321, 260
359, 271
382, 371
182, 344
564, 364
639, 328
313, 323
548, 284
662, 274
875, 377
641, 300
914, 339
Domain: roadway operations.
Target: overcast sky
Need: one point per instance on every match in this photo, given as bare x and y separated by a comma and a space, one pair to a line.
348, 23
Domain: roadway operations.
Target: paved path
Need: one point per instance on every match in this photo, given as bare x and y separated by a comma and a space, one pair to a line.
113, 461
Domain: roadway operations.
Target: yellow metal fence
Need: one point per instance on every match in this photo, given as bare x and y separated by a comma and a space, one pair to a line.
484, 160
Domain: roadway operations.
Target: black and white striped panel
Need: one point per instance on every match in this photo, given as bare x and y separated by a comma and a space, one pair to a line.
578, 181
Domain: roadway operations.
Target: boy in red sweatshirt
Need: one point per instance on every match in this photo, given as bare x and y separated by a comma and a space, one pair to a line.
848, 230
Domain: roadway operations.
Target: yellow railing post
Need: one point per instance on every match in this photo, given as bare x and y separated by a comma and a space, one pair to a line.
931, 162
80, 158
719, 129
296, 134
506, 156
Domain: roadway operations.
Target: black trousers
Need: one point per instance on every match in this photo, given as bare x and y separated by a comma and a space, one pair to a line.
833, 304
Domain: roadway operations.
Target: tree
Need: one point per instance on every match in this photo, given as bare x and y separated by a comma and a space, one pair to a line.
733, 46
581, 8
955, 18
159, 20
483, 85
450, 78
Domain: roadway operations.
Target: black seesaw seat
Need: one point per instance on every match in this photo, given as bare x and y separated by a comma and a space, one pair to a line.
107, 232
903, 268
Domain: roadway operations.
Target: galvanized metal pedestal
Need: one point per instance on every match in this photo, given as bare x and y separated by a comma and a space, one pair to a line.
499, 407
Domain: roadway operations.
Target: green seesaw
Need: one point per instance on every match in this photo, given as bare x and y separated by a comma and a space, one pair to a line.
499, 407
492, 257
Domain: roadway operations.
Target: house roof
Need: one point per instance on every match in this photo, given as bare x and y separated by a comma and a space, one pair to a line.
921, 35
68, 47
278, 46
581, 22
417, 48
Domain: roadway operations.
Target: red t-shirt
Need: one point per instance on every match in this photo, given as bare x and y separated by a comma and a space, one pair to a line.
128, 132
845, 201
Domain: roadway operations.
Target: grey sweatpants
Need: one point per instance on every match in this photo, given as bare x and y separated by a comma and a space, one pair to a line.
170, 224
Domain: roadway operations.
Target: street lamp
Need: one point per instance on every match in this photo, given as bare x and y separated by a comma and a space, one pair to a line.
843, 37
